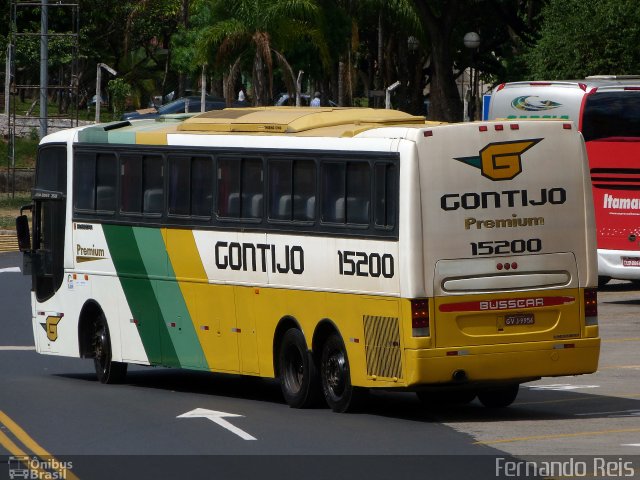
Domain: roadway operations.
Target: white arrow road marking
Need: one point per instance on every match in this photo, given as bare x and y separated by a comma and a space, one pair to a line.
630, 444
560, 387
217, 417
615, 413
10, 270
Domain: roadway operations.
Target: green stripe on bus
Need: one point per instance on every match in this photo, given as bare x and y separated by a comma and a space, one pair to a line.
173, 308
141, 297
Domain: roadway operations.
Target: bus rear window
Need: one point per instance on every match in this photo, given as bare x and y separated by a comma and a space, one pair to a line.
612, 115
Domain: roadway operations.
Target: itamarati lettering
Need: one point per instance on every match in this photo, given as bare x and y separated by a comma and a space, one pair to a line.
89, 251
507, 198
612, 202
259, 257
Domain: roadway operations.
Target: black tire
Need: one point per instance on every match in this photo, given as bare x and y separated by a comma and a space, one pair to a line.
602, 281
446, 398
335, 377
107, 370
498, 397
297, 371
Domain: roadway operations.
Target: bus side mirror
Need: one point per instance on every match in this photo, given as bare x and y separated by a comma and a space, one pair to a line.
24, 237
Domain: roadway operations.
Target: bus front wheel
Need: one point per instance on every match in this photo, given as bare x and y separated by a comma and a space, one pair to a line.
335, 377
297, 371
499, 397
107, 370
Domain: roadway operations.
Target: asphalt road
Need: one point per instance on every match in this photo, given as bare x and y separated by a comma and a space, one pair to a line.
53, 405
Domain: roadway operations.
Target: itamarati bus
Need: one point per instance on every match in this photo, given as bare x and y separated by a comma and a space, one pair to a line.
606, 109
338, 250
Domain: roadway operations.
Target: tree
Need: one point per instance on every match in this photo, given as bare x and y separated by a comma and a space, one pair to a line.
438, 19
246, 35
580, 38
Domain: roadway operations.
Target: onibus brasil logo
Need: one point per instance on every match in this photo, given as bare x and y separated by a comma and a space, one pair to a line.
501, 160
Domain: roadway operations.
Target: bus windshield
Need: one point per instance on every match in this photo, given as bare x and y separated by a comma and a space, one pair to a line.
612, 115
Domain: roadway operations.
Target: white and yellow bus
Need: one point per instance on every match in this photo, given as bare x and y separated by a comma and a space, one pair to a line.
337, 250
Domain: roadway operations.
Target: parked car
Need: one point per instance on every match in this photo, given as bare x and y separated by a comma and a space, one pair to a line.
181, 105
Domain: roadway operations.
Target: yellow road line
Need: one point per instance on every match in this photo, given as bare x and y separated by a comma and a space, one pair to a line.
559, 435
609, 367
620, 340
578, 398
14, 449
28, 442
18, 431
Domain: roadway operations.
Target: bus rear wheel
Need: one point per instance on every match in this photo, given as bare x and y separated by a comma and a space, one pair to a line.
107, 370
297, 371
499, 397
335, 377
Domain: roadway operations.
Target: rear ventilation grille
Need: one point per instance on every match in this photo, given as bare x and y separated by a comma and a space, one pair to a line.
382, 346
616, 178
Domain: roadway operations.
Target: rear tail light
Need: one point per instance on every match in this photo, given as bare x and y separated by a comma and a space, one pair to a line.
591, 306
420, 317
500, 87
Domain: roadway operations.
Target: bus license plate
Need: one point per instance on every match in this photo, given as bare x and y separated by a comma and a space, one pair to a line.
519, 319
631, 261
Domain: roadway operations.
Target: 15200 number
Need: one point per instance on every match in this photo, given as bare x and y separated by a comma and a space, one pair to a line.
364, 264
501, 247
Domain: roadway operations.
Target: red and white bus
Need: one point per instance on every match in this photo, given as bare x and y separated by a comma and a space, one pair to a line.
606, 110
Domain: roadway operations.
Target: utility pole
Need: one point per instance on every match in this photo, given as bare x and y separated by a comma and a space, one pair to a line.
44, 65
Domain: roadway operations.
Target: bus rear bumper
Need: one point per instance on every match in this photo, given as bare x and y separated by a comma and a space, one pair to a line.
482, 364
620, 264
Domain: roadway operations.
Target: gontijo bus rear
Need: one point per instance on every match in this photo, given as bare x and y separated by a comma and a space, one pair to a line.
338, 250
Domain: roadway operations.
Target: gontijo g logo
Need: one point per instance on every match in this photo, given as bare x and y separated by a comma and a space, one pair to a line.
500, 160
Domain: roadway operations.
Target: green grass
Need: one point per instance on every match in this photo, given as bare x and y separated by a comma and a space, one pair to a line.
10, 208
26, 149
52, 109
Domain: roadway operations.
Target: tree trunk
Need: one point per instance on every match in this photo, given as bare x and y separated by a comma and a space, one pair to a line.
445, 98
446, 104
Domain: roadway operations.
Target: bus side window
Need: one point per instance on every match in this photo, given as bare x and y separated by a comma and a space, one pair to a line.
130, 184
292, 189
201, 186
84, 179
385, 195
106, 178
152, 184
240, 188
141, 185
190, 186
95, 182
333, 192
346, 192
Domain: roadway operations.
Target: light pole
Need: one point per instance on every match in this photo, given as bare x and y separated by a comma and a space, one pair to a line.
98, 82
472, 42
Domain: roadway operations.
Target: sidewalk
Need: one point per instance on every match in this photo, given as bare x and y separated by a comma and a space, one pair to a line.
8, 241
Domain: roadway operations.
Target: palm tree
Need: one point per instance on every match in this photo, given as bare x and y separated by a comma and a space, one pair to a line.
250, 34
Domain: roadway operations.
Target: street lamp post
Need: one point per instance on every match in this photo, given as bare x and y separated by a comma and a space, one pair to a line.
472, 42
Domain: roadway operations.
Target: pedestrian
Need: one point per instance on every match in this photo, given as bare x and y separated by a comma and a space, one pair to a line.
316, 100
